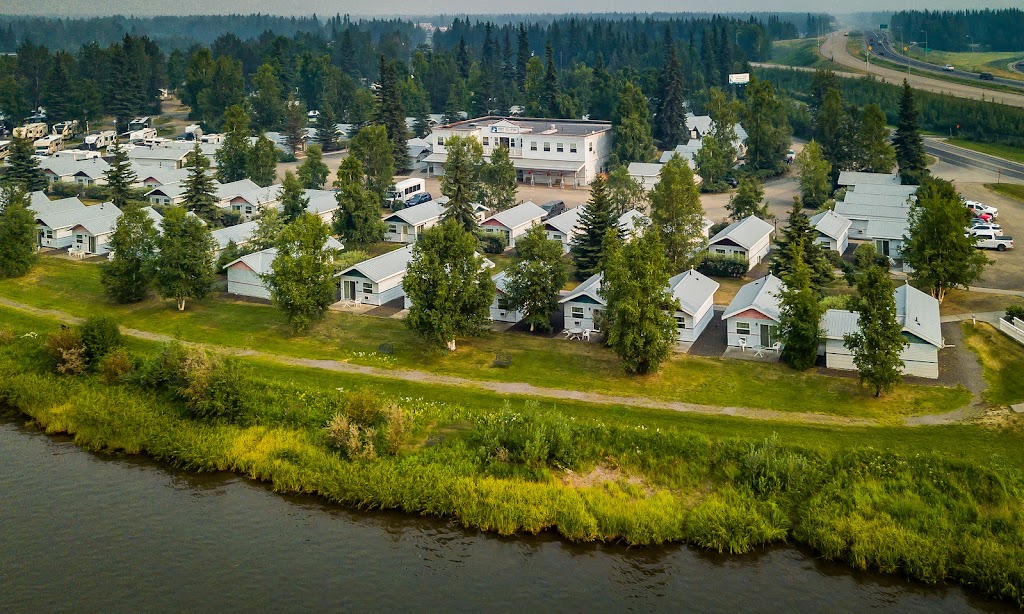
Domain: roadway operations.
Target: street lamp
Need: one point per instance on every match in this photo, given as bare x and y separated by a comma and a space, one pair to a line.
925, 44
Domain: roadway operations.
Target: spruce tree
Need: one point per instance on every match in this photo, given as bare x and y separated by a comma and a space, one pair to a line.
878, 342
293, 198
450, 290
597, 218
670, 121
461, 180
267, 102
18, 233
624, 192
371, 146
830, 130
357, 219
327, 133
301, 278
120, 177
261, 166
233, 154
549, 92
499, 181
800, 311
640, 310
873, 152
815, 176
183, 268
800, 236
748, 200
537, 276
126, 276
523, 55
632, 127
23, 168
910, 156
294, 125
391, 112
677, 216
200, 195
313, 173
768, 131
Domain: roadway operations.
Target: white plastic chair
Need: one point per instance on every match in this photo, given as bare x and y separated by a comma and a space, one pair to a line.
758, 350
743, 344
586, 335
777, 346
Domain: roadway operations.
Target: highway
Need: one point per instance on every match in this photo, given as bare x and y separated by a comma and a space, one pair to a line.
893, 54
966, 158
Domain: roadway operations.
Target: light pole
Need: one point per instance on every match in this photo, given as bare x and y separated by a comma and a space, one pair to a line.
925, 44
970, 47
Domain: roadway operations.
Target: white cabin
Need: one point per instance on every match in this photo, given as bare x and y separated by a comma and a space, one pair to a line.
695, 294
378, 280
749, 238
752, 318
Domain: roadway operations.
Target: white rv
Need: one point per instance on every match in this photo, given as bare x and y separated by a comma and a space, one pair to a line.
141, 135
30, 131
49, 145
403, 190
100, 140
66, 129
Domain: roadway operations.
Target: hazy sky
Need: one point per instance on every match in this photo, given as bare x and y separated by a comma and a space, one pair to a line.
436, 7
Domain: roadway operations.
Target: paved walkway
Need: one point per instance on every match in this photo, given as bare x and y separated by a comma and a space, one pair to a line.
511, 388
992, 317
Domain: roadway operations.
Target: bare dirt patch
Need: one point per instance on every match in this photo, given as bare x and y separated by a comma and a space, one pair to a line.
601, 475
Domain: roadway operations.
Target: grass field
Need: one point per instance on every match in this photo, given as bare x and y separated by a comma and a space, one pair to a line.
1009, 152
995, 62
1011, 190
1001, 360
74, 287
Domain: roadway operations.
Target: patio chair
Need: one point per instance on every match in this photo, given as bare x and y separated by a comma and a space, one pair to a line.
586, 334
777, 347
503, 360
743, 344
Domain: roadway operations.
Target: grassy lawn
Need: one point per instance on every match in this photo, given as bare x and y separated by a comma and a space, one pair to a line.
74, 287
959, 302
1001, 359
1011, 190
1009, 152
995, 62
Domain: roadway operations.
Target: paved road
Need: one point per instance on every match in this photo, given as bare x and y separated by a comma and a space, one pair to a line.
966, 158
834, 48
893, 54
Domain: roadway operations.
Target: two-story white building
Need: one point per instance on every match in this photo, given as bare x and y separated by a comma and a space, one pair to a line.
549, 152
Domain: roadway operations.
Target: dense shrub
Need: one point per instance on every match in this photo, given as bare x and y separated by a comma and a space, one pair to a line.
718, 265
492, 243
66, 352
216, 389
285, 156
64, 189
99, 335
1014, 311
230, 254
533, 439
367, 425
115, 366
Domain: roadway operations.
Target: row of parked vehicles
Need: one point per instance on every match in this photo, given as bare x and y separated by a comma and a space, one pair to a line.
411, 192
988, 233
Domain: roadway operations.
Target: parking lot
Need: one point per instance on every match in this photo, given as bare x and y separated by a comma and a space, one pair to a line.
1007, 269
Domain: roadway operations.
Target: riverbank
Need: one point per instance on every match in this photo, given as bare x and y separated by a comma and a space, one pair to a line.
928, 511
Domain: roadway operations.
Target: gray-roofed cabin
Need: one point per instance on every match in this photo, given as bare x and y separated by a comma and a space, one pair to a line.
752, 318
583, 306
378, 280
407, 225
501, 310
749, 238
695, 294
833, 230
513, 223
564, 227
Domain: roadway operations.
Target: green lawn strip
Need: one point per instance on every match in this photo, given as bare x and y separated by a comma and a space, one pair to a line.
1008, 152
1011, 190
74, 288
1002, 363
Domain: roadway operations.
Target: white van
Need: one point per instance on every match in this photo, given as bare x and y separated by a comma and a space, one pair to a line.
403, 190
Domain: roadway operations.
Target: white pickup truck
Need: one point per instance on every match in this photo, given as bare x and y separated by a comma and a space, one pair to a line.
990, 240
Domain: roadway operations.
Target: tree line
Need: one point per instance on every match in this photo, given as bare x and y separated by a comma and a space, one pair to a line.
987, 29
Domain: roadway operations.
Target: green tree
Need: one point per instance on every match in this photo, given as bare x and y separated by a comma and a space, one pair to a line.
717, 153
183, 267
293, 198
499, 181
301, 278
877, 344
17, 232
550, 90
677, 216
909, 147
768, 131
640, 309
748, 200
357, 219
624, 192
632, 127
294, 125
588, 246
200, 195
313, 173
371, 146
873, 152
327, 133
536, 278
534, 87
267, 102
815, 176
670, 119
936, 247
800, 237
234, 153
391, 112
800, 312
22, 168
450, 290
126, 276
269, 226
120, 177
261, 166
461, 180
830, 130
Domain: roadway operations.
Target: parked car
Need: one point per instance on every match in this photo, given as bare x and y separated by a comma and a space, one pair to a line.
790, 156
980, 226
731, 181
553, 208
948, 67
419, 199
979, 208
990, 240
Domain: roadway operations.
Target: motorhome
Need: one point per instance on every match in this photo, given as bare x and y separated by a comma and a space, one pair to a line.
402, 191
100, 140
5, 149
49, 145
65, 129
141, 135
30, 131
193, 132
139, 123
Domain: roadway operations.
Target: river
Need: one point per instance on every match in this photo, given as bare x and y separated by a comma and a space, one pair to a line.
87, 532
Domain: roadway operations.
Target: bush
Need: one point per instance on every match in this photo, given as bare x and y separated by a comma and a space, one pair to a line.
492, 243
216, 390
6, 335
98, 192
66, 352
835, 301
230, 254
719, 265
99, 335
1014, 311
285, 156
531, 439
64, 189
349, 438
115, 366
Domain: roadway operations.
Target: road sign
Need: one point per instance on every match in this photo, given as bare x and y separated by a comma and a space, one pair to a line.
741, 78
883, 26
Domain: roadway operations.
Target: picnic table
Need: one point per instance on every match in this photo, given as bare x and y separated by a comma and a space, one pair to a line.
575, 333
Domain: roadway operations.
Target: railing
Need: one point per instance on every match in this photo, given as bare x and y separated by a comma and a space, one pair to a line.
515, 152
1015, 329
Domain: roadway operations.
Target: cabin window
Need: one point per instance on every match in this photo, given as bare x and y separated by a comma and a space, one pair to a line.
590, 147
559, 147
719, 250
547, 146
577, 312
49, 234
743, 328
533, 145
440, 140
392, 228
503, 303
680, 323
487, 141
556, 237
572, 147
367, 287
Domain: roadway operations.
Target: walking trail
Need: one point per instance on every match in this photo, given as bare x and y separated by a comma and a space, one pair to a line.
516, 388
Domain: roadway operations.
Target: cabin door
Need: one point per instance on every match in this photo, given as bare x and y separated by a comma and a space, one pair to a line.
92, 245
350, 290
